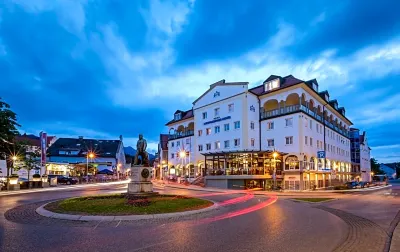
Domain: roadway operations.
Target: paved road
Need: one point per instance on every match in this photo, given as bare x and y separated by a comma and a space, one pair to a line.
249, 223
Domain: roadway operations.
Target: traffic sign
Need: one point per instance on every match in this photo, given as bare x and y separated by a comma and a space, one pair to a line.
321, 154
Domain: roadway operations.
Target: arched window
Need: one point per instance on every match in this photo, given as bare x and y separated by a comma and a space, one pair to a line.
320, 164
312, 164
292, 163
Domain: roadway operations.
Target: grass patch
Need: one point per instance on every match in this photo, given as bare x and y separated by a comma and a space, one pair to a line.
314, 200
118, 205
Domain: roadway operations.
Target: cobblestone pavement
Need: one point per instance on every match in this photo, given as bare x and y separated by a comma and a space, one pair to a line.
241, 226
393, 243
363, 235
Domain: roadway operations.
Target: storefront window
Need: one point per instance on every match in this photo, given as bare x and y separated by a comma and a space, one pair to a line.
292, 163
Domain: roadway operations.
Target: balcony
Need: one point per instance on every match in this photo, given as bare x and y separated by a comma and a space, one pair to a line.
300, 108
181, 135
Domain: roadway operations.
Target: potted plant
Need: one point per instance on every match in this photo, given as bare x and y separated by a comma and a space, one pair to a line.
14, 179
45, 178
36, 177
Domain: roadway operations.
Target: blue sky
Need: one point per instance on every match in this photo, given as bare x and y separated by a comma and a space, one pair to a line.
104, 68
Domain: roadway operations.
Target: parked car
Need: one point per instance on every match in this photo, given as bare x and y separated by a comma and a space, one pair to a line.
364, 184
351, 185
23, 183
61, 179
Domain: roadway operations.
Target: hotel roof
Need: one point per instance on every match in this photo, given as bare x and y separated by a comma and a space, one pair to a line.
185, 115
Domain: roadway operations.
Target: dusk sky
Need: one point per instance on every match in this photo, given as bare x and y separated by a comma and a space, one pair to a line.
101, 69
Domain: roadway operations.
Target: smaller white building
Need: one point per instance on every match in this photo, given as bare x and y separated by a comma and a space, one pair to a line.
365, 158
68, 155
389, 171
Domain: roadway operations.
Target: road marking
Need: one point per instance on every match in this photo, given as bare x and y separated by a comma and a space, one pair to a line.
118, 223
152, 245
97, 224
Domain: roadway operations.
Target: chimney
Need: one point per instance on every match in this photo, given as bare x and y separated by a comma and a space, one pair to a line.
120, 138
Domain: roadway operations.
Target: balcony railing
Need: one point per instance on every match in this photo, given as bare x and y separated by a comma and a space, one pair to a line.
181, 134
297, 108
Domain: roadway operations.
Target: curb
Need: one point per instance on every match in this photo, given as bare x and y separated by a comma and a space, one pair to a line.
60, 188
312, 203
46, 213
375, 188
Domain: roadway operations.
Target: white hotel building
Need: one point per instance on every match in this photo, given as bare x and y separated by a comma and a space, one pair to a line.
231, 133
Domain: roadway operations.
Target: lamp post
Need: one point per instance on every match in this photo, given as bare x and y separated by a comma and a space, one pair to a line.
91, 156
182, 155
162, 169
118, 169
13, 158
274, 155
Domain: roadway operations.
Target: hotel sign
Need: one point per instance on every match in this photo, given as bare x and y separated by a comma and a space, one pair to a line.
218, 120
321, 154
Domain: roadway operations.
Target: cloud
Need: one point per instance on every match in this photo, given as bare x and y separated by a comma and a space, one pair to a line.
319, 19
385, 110
71, 14
331, 71
384, 147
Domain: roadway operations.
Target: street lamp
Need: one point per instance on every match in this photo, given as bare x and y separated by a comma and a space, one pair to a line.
162, 169
91, 156
274, 155
118, 169
13, 158
182, 155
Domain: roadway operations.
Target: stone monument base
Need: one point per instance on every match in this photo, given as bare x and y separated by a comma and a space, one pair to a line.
141, 184
140, 187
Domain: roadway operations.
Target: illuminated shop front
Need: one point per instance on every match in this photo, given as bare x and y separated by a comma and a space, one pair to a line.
243, 169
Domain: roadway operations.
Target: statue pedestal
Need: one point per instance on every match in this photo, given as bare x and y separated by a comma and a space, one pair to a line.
140, 181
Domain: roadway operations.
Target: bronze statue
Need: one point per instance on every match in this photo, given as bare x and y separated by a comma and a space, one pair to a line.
141, 151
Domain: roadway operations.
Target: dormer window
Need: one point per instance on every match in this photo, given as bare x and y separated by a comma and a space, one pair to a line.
336, 107
270, 85
178, 116
315, 87
326, 97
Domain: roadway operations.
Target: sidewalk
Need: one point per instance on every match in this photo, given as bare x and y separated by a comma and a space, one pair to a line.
62, 187
395, 245
284, 193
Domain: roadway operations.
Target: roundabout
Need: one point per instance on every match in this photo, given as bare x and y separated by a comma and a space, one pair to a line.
237, 221
124, 207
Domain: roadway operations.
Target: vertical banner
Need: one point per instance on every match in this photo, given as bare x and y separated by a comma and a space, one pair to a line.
43, 148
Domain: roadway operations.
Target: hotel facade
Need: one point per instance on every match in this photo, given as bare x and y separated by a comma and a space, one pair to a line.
284, 133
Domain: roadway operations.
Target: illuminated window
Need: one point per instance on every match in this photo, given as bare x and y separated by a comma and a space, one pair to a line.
272, 85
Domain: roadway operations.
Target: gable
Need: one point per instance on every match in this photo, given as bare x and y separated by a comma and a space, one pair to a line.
220, 91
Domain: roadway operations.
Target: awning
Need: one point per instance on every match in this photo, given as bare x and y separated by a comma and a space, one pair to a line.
106, 171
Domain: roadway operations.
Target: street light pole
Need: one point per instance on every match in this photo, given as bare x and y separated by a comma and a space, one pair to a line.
13, 158
87, 169
275, 155
89, 155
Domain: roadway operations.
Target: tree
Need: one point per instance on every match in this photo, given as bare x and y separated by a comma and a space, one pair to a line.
8, 128
28, 160
375, 167
31, 161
